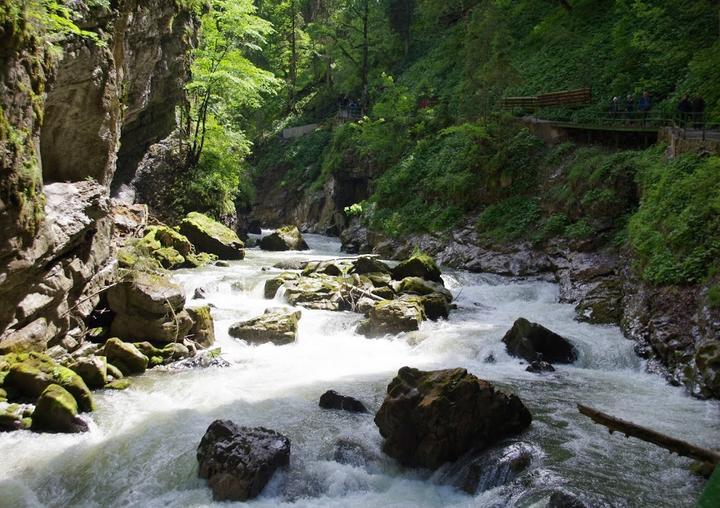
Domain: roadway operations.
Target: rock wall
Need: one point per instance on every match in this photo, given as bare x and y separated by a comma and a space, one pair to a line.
109, 101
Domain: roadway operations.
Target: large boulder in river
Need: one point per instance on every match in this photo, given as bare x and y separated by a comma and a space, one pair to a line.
418, 265
284, 238
367, 264
56, 411
208, 235
392, 317
239, 461
93, 370
273, 284
319, 292
532, 341
149, 307
428, 418
276, 326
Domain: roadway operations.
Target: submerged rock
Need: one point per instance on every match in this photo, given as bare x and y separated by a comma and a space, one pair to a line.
564, 499
529, 340
125, 357
478, 471
208, 235
353, 453
56, 411
276, 326
418, 265
428, 418
333, 400
538, 366
284, 238
392, 317
239, 461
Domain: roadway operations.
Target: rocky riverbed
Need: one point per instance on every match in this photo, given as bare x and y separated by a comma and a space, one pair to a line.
141, 446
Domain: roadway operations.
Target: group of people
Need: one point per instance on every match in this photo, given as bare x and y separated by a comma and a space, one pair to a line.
632, 109
690, 111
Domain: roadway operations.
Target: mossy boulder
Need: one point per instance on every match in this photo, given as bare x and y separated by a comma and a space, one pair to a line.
170, 238
391, 317
113, 372
366, 264
284, 238
276, 326
125, 357
418, 265
93, 370
169, 258
208, 235
203, 329
146, 294
27, 375
432, 417
168, 328
532, 341
419, 286
323, 293
273, 284
56, 411
435, 305
199, 259
118, 384
332, 268
14, 417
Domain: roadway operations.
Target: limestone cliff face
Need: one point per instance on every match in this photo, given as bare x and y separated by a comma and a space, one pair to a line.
103, 104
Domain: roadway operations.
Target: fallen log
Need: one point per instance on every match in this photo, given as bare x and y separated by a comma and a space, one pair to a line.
651, 436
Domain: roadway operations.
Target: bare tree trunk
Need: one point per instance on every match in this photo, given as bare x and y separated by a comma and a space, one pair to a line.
651, 436
293, 54
366, 52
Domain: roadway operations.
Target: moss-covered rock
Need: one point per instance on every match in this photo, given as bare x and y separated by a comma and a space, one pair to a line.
14, 417
276, 326
56, 411
29, 374
323, 293
392, 317
203, 329
170, 238
284, 238
419, 286
125, 357
93, 370
118, 384
208, 235
146, 294
332, 268
418, 265
169, 258
168, 328
113, 372
199, 259
435, 305
273, 284
367, 264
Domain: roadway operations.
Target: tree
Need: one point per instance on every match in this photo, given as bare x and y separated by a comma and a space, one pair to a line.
224, 79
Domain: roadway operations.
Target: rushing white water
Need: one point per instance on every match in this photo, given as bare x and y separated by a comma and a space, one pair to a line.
141, 448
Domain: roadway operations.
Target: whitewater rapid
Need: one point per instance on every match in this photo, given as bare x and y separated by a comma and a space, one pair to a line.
140, 451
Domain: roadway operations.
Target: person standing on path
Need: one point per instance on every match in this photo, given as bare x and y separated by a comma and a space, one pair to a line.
630, 107
684, 109
645, 104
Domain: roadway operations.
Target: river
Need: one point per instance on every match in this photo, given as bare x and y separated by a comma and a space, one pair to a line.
140, 451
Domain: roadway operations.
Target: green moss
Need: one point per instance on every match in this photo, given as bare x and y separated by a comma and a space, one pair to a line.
118, 384
212, 228
169, 257
713, 296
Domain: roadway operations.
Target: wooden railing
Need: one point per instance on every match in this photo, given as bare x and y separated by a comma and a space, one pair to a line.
569, 98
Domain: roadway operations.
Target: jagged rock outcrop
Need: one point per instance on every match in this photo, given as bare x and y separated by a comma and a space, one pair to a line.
284, 238
55, 251
532, 341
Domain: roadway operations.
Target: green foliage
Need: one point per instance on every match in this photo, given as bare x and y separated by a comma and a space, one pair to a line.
509, 219
676, 231
713, 296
